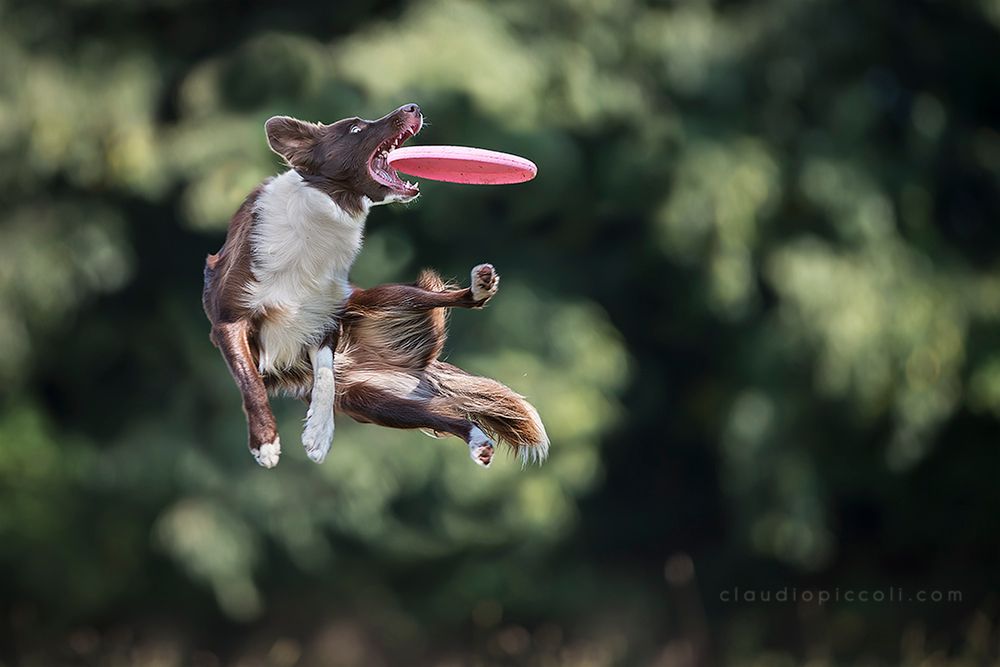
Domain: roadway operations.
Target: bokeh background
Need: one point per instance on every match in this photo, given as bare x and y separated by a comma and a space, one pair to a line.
754, 292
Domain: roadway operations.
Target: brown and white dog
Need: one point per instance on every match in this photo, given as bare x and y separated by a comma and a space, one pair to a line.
286, 318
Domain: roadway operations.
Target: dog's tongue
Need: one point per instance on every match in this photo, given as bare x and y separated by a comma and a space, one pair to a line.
462, 164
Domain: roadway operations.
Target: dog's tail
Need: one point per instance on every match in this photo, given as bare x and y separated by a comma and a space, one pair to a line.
504, 414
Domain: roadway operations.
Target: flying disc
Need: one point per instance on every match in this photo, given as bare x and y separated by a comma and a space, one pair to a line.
462, 164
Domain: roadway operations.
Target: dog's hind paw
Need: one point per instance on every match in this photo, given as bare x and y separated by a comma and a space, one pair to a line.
268, 454
485, 282
480, 447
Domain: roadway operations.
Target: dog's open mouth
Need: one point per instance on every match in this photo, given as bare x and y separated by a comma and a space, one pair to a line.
378, 164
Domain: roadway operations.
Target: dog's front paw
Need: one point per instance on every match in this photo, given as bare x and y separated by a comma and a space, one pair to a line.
268, 453
318, 432
480, 447
485, 282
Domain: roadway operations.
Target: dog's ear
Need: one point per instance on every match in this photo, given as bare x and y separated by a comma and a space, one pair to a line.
292, 139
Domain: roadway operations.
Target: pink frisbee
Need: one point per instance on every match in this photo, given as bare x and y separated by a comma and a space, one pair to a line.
462, 164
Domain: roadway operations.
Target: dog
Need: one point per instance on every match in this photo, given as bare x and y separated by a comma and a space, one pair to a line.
286, 318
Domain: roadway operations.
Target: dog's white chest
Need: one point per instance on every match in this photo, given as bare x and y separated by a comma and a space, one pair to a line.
303, 246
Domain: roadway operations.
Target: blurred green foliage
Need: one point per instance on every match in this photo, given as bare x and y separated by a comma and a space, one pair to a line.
754, 293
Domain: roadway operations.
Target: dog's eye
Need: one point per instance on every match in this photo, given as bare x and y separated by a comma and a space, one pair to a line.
355, 129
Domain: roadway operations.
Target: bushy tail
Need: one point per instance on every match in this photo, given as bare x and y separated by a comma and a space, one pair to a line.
504, 414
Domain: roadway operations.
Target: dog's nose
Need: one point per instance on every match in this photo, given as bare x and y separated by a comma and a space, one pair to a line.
410, 108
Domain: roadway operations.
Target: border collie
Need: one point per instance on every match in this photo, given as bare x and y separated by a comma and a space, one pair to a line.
286, 318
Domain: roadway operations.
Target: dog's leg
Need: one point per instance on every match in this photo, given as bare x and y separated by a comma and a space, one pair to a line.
485, 283
318, 432
371, 405
231, 339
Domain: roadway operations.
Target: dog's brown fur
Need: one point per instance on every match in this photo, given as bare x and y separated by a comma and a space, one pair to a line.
401, 329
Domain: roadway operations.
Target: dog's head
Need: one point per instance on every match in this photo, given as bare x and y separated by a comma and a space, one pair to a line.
347, 159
